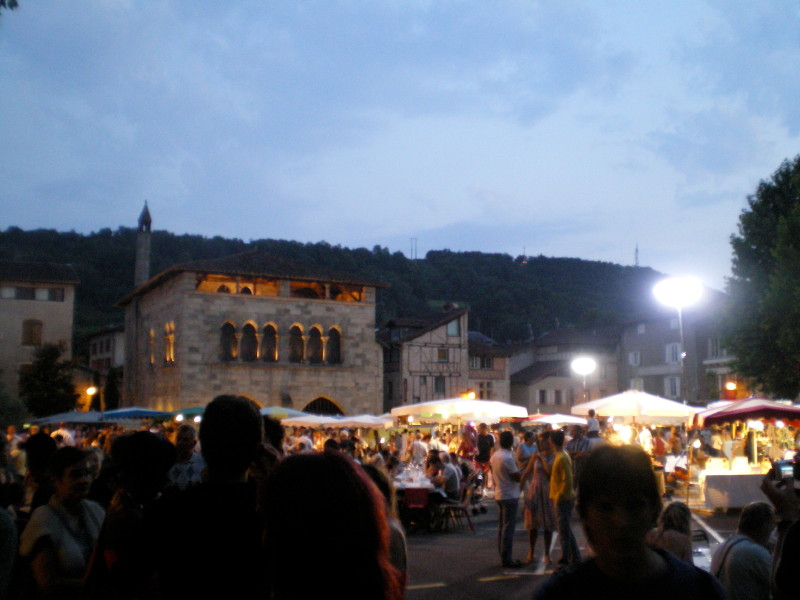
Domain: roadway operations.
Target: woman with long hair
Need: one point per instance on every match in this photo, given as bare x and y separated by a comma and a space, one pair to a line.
326, 500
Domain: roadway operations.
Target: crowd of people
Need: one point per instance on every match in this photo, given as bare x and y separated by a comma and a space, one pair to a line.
121, 514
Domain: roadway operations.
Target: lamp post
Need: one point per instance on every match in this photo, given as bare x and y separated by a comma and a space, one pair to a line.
678, 293
584, 365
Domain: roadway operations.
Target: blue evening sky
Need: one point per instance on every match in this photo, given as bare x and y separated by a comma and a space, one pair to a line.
566, 128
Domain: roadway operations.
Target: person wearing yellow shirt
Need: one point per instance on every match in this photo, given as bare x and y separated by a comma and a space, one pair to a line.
562, 494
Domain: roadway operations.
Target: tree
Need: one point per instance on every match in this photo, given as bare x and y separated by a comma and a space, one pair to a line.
762, 321
12, 412
46, 387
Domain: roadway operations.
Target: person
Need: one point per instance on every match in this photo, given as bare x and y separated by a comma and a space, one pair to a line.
188, 468
213, 530
485, 444
398, 547
526, 449
592, 425
618, 503
577, 448
64, 435
786, 557
506, 476
60, 535
562, 494
120, 567
742, 563
39, 447
417, 451
451, 477
8, 550
325, 498
674, 531
539, 512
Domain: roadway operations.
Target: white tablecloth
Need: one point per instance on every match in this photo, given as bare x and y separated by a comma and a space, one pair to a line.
734, 490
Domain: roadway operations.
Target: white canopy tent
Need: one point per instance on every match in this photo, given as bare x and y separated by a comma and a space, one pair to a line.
453, 410
634, 406
311, 421
555, 419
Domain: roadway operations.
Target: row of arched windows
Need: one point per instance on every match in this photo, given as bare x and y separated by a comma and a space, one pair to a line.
250, 345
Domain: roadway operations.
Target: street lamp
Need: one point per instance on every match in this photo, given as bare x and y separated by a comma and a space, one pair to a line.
584, 365
91, 391
678, 293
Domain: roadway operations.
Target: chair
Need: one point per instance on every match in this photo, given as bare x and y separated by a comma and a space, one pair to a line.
415, 507
455, 513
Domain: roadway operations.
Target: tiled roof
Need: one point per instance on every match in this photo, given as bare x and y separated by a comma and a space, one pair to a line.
255, 263
539, 370
410, 329
37, 272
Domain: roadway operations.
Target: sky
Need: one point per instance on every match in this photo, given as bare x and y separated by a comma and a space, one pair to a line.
572, 128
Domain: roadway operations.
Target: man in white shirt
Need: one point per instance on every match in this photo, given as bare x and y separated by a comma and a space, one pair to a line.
506, 475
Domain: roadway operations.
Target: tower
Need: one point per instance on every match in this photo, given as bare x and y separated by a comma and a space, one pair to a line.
142, 269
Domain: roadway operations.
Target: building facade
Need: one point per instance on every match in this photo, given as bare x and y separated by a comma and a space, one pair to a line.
37, 306
255, 325
107, 349
488, 368
425, 359
548, 384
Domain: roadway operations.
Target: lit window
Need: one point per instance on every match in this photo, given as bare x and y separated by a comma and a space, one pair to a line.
442, 355
151, 347
169, 342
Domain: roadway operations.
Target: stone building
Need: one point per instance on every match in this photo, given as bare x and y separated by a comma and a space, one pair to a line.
252, 324
426, 358
37, 303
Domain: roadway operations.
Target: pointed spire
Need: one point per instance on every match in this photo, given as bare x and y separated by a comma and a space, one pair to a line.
144, 219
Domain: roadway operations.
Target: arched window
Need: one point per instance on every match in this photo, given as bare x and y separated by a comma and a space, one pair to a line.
31, 332
224, 289
249, 346
269, 344
315, 346
322, 406
333, 347
246, 291
296, 345
228, 342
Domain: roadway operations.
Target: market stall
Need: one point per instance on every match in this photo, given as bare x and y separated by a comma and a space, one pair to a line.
634, 406
457, 410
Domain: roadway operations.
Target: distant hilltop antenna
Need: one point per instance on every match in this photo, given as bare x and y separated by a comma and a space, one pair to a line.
524, 256
636, 255
413, 248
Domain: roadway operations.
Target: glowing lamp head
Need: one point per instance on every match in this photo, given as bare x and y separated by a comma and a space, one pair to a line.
91, 390
730, 386
179, 418
584, 365
678, 292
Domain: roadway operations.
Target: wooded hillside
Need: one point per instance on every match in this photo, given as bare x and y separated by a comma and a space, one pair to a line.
509, 298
